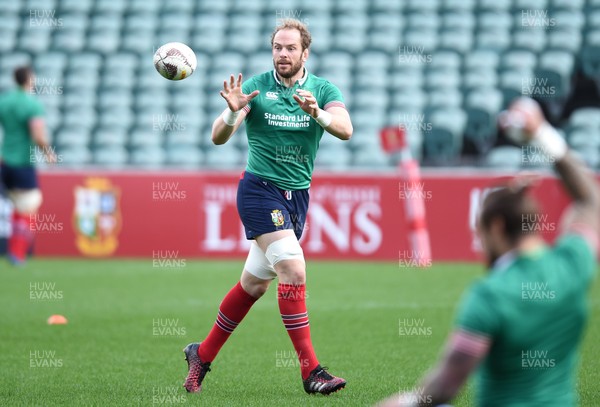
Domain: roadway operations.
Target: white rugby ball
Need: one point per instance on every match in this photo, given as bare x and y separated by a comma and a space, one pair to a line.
175, 61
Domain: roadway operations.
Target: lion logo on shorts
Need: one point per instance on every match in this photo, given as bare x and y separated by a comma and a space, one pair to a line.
277, 217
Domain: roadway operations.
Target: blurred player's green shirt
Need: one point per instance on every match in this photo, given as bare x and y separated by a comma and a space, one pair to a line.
534, 309
17, 108
282, 139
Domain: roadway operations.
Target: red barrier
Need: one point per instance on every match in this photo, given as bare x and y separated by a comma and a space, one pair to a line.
190, 215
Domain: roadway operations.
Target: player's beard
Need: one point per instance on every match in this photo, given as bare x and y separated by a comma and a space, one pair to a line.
293, 70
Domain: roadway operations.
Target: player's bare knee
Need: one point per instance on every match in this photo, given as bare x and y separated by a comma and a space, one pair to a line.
254, 286
291, 271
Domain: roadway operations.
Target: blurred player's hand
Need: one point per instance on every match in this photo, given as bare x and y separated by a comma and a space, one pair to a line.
50, 156
307, 102
522, 120
232, 93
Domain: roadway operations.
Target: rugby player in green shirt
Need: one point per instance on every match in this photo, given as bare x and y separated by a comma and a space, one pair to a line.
520, 327
286, 111
22, 119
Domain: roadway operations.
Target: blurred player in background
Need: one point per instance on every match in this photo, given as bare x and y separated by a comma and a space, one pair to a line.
22, 118
287, 111
524, 321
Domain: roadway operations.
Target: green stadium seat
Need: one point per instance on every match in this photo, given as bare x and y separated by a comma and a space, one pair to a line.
333, 157
407, 79
116, 117
445, 59
446, 97
73, 136
424, 5
566, 40
223, 6
386, 6
593, 20
175, 21
530, 40
79, 6
442, 78
495, 5
35, 41
110, 6
183, 7
460, 41
556, 67
225, 156
530, 5
569, 19
74, 156
505, 157
9, 7
480, 78
425, 40
443, 142
80, 116
482, 106
464, 5
110, 156
148, 157
458, 20
589, 156
497, 40
143, 138
567, 4
590, 54
427, 21
372, 158
184, 156
67, 40
392, 21
513, 83
584, 138
519, 60
481, 58
409, 97
494, 21
110, 136
585, 117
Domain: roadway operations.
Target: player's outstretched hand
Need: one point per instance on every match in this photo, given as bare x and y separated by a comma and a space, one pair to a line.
522, 120
307, 102
232, 93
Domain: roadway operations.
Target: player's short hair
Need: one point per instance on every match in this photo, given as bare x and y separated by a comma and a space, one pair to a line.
22, 74
293, 24
515, 207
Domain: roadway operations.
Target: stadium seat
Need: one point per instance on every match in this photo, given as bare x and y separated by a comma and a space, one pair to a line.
406, 78
73, 136
556, 67
110, 136
482, 58
391, 7
116, 117
409, 97
184, 157
74, 156
449, 97
567, 4
585, 138
530, 5
426, 21
497, 40
371, 158
80, 116
445, 59
519, 60
504, 157
458, 21
50, 62
495, 5
480, 78
79, 6
482, 106
225, 156
530, 40
111, 156
333, 157
494, 21
442, 78
148, 157
421, 40
463, 5
590, 54
443, 142
513, 83
565, 39
456, 40
142, 138
392, 21
585, 117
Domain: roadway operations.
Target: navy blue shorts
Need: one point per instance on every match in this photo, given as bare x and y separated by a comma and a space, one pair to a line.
18, 177
264, 208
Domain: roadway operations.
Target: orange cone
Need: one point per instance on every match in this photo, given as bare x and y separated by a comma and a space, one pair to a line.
57, 320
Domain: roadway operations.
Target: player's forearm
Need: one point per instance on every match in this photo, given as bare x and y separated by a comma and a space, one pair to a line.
340, 125
579, 181
220, 131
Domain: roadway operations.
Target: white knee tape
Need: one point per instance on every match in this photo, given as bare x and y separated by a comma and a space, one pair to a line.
258, 265
26, 201
287, 248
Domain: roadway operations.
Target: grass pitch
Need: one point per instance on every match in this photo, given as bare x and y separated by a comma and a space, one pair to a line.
129, 321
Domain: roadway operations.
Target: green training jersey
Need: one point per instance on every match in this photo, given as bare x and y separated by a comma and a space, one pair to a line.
282, 139
17, 108
534, 309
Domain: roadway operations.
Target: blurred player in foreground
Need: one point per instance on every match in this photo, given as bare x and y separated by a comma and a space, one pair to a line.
22, 118
524, 321
287, 111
